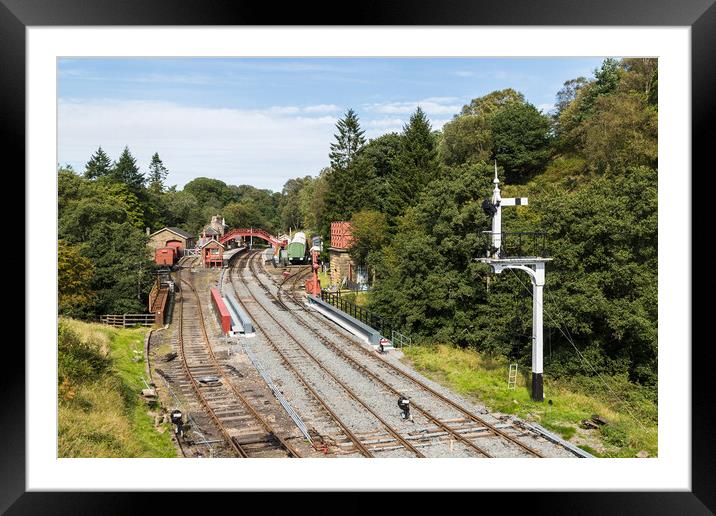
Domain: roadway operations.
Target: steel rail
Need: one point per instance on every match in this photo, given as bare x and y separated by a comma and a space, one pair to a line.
238, 449
365, 371
456, 406
292, 452
385, 424
354, 438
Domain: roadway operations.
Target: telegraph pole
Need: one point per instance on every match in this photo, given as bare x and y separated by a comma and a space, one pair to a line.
534, 266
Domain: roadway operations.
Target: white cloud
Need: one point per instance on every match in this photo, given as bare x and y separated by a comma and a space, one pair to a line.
545, 108
385, 122
379, 126
262, 148
322, 108
284, 110
438, 123
431, 106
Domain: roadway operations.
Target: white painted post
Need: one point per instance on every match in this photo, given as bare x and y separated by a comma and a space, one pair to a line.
497, 217
537, 276
537, 333
498, 202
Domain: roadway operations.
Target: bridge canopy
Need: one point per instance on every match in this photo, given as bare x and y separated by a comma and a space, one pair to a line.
253, 232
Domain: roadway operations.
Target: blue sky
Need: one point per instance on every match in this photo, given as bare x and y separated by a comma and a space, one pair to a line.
262, 121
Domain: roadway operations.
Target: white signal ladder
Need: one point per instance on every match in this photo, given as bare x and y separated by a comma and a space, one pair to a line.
512, 377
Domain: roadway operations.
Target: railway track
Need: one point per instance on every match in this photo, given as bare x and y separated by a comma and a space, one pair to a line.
465, 428
244, 429
388, 438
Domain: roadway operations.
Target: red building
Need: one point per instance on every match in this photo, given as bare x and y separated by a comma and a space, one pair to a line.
212, 254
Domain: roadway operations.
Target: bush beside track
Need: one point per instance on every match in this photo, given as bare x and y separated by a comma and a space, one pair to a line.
100, 410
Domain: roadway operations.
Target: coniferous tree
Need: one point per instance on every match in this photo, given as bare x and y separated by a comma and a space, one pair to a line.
99, 165
343, 183
157, 174
348, 141
126, 171
416, 163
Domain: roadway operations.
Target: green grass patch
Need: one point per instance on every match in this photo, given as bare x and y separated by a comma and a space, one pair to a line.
632, 426
357, 298
100, 410
325, 279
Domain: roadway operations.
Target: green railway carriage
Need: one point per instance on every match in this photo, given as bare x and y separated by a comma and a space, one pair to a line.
297, 248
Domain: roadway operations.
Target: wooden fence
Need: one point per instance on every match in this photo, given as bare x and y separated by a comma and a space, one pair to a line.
128, 320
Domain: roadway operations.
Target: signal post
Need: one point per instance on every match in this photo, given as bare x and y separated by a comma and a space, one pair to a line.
534, 266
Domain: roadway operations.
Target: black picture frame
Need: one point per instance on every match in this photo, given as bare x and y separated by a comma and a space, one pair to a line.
700, 15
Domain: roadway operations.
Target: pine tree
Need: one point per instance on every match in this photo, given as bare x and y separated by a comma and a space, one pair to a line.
416, 163
99, 165
349, 140
418, 145
157, 174
126, 171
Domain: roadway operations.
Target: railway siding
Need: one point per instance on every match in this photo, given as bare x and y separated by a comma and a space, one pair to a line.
446, 405
372, 394
383, 397
344, 392
242, 427
282, 353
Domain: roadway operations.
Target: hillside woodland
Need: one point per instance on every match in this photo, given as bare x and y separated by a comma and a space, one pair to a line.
589, 168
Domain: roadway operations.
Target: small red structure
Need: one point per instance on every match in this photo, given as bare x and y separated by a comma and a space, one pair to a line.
313, 285
221, 311
341, 236
171, 237
165, 256
212, 254
342, 266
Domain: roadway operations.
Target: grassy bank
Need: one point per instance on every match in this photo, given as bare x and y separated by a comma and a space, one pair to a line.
631, 416
100, 411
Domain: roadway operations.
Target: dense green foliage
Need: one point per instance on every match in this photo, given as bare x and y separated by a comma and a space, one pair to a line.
589, 168
593, 190
520, 140
74, 276
104, 265
468, 137
370, 233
